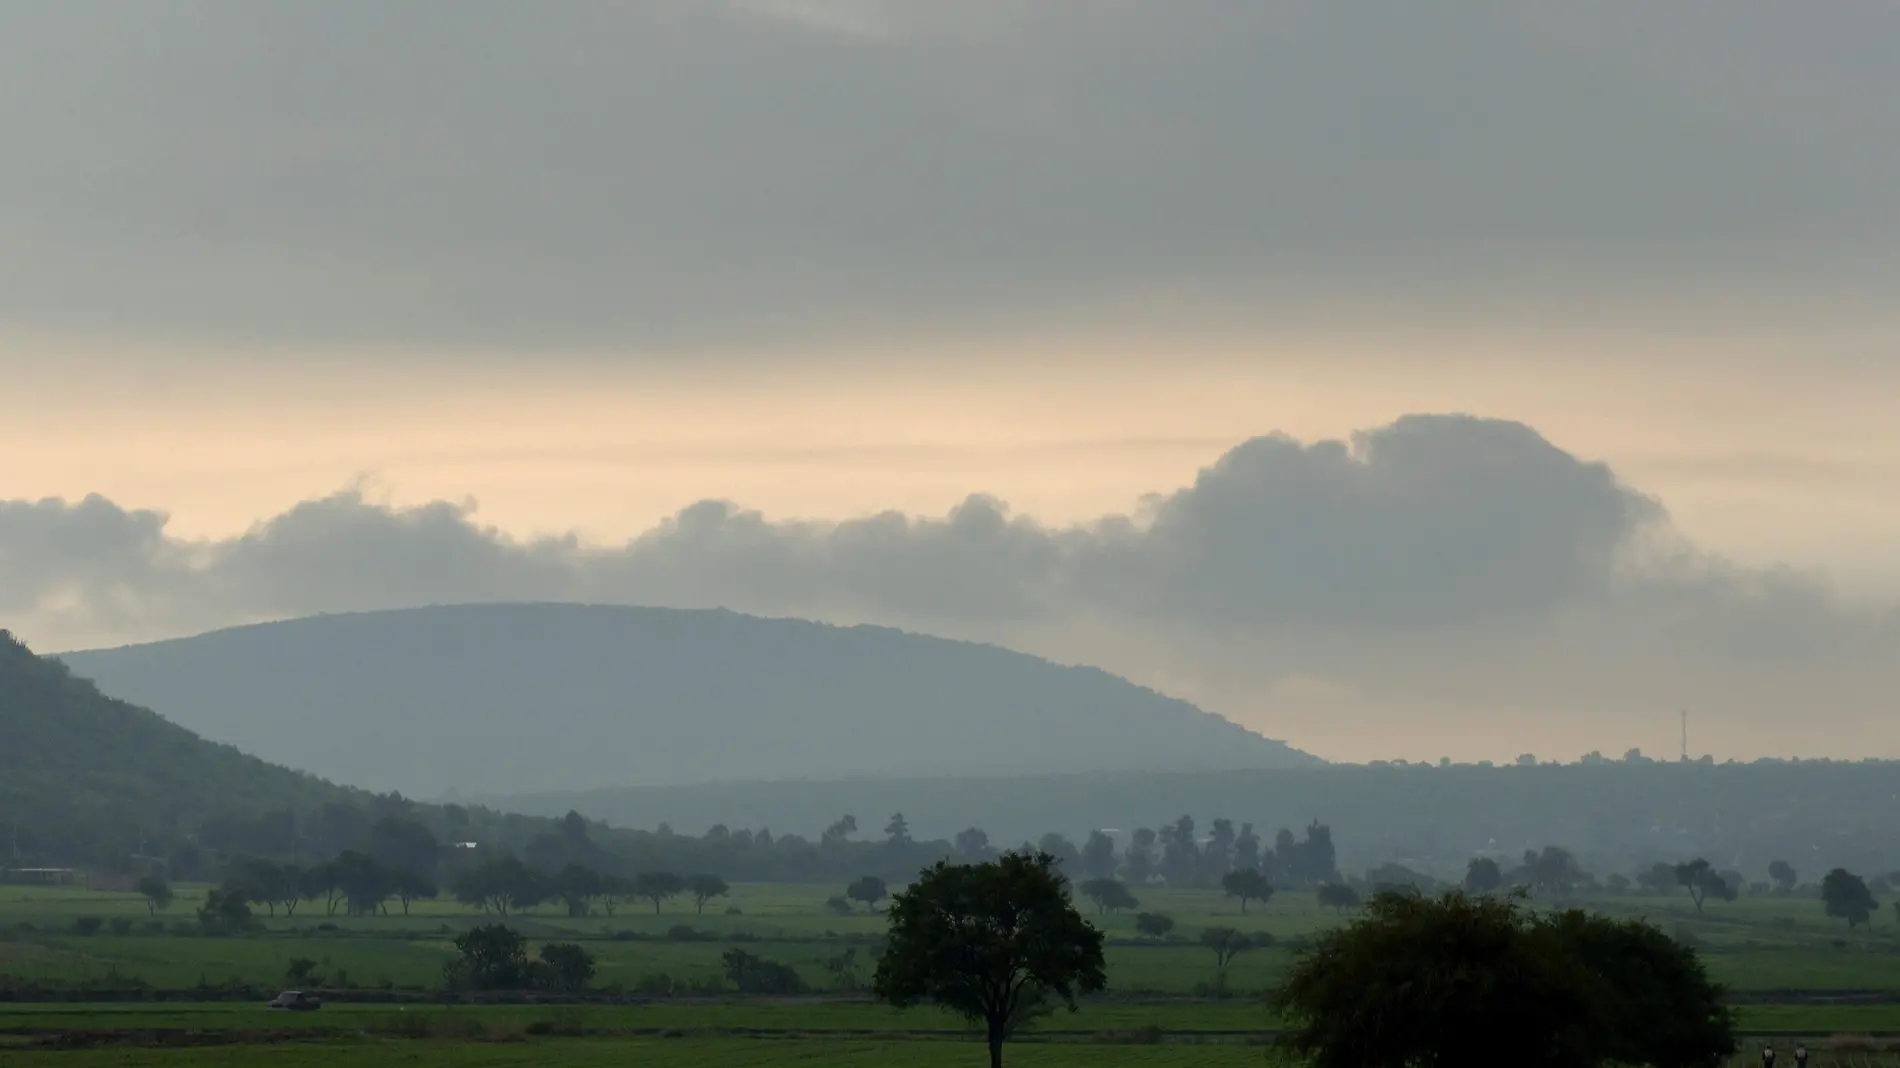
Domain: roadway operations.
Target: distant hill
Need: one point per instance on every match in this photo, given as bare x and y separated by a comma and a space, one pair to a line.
514, 698
81, 773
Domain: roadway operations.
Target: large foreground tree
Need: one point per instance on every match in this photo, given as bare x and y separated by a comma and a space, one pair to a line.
995, 942
1456, 980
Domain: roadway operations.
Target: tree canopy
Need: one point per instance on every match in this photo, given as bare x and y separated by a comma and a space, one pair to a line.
1458, 979
994, 942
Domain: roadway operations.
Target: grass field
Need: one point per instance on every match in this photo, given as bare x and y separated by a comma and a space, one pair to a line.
1758, 944
1753, 944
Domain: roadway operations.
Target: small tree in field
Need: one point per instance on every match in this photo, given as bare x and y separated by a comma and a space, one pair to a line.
1246, 884
1108, 895
994, 942
1154, 925
704, 888
157, 893
1227, 944
869, 890
657, 886
1846, 897
1337, 896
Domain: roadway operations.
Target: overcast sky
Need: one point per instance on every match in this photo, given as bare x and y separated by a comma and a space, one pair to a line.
276, 276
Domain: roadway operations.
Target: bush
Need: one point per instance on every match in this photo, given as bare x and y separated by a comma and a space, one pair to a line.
685, 933
121, 926
757, 975
88, 925
838, 905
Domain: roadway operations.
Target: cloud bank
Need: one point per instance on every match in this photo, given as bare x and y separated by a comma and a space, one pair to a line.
1442, 577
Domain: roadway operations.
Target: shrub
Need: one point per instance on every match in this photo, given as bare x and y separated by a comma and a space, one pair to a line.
757, 975
121, 926
88, 925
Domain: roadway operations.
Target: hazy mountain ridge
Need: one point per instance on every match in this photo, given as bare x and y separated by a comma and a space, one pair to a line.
512, 698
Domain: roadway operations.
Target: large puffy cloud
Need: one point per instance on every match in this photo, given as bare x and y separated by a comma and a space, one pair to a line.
683, 171
1450, 566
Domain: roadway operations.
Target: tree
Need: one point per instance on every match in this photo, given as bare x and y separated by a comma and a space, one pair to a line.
1483, 876
1462, 979
704, 888
157, 893
1846, 897
1154, 924
868, 889
1337, 896
839, 832
493, 957
1246, 884
1247, 849
225, 910
567, 966
1658, 878
1703, 882
1108, 895
501, 886
1217, 857
1227, 944
1138, 860
657, 886
1655, 1002
1059, 847
576, 885
1098, 856
411, 886
897, 831
972, 843
1180, 852
993, 942
1783, 875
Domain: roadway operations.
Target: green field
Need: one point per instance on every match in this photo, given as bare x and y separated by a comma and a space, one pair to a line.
1759, 944
1753, 944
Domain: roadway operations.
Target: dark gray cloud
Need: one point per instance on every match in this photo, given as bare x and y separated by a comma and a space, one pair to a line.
684, 171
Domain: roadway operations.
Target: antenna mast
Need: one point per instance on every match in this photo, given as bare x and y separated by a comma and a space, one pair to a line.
1685, 736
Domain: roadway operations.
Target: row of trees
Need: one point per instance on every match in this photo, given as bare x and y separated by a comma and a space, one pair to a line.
1554, 872
510, 885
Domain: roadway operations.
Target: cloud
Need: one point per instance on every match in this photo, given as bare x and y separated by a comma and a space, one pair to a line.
683, 173
1443, 582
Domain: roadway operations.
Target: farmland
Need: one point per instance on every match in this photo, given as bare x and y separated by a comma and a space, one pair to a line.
382, 973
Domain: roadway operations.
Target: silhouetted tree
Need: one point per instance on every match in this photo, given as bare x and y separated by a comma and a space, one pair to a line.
868, 889
1337, 896
897, 831
1246, 884
1782, 874
1108, 895
972, 843
704, 888
1098, 856
993, 942
156, 892
1459, 980
1846, 897
657, 887
1154, 924
1483, 876
567, 966
1703, 882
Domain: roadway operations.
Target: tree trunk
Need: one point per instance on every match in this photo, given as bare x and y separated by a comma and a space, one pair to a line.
996, 1044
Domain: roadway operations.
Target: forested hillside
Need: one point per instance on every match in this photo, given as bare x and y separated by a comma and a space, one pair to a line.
520, 697
84, 776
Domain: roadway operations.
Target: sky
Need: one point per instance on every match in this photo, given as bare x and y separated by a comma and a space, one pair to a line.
1400, 380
